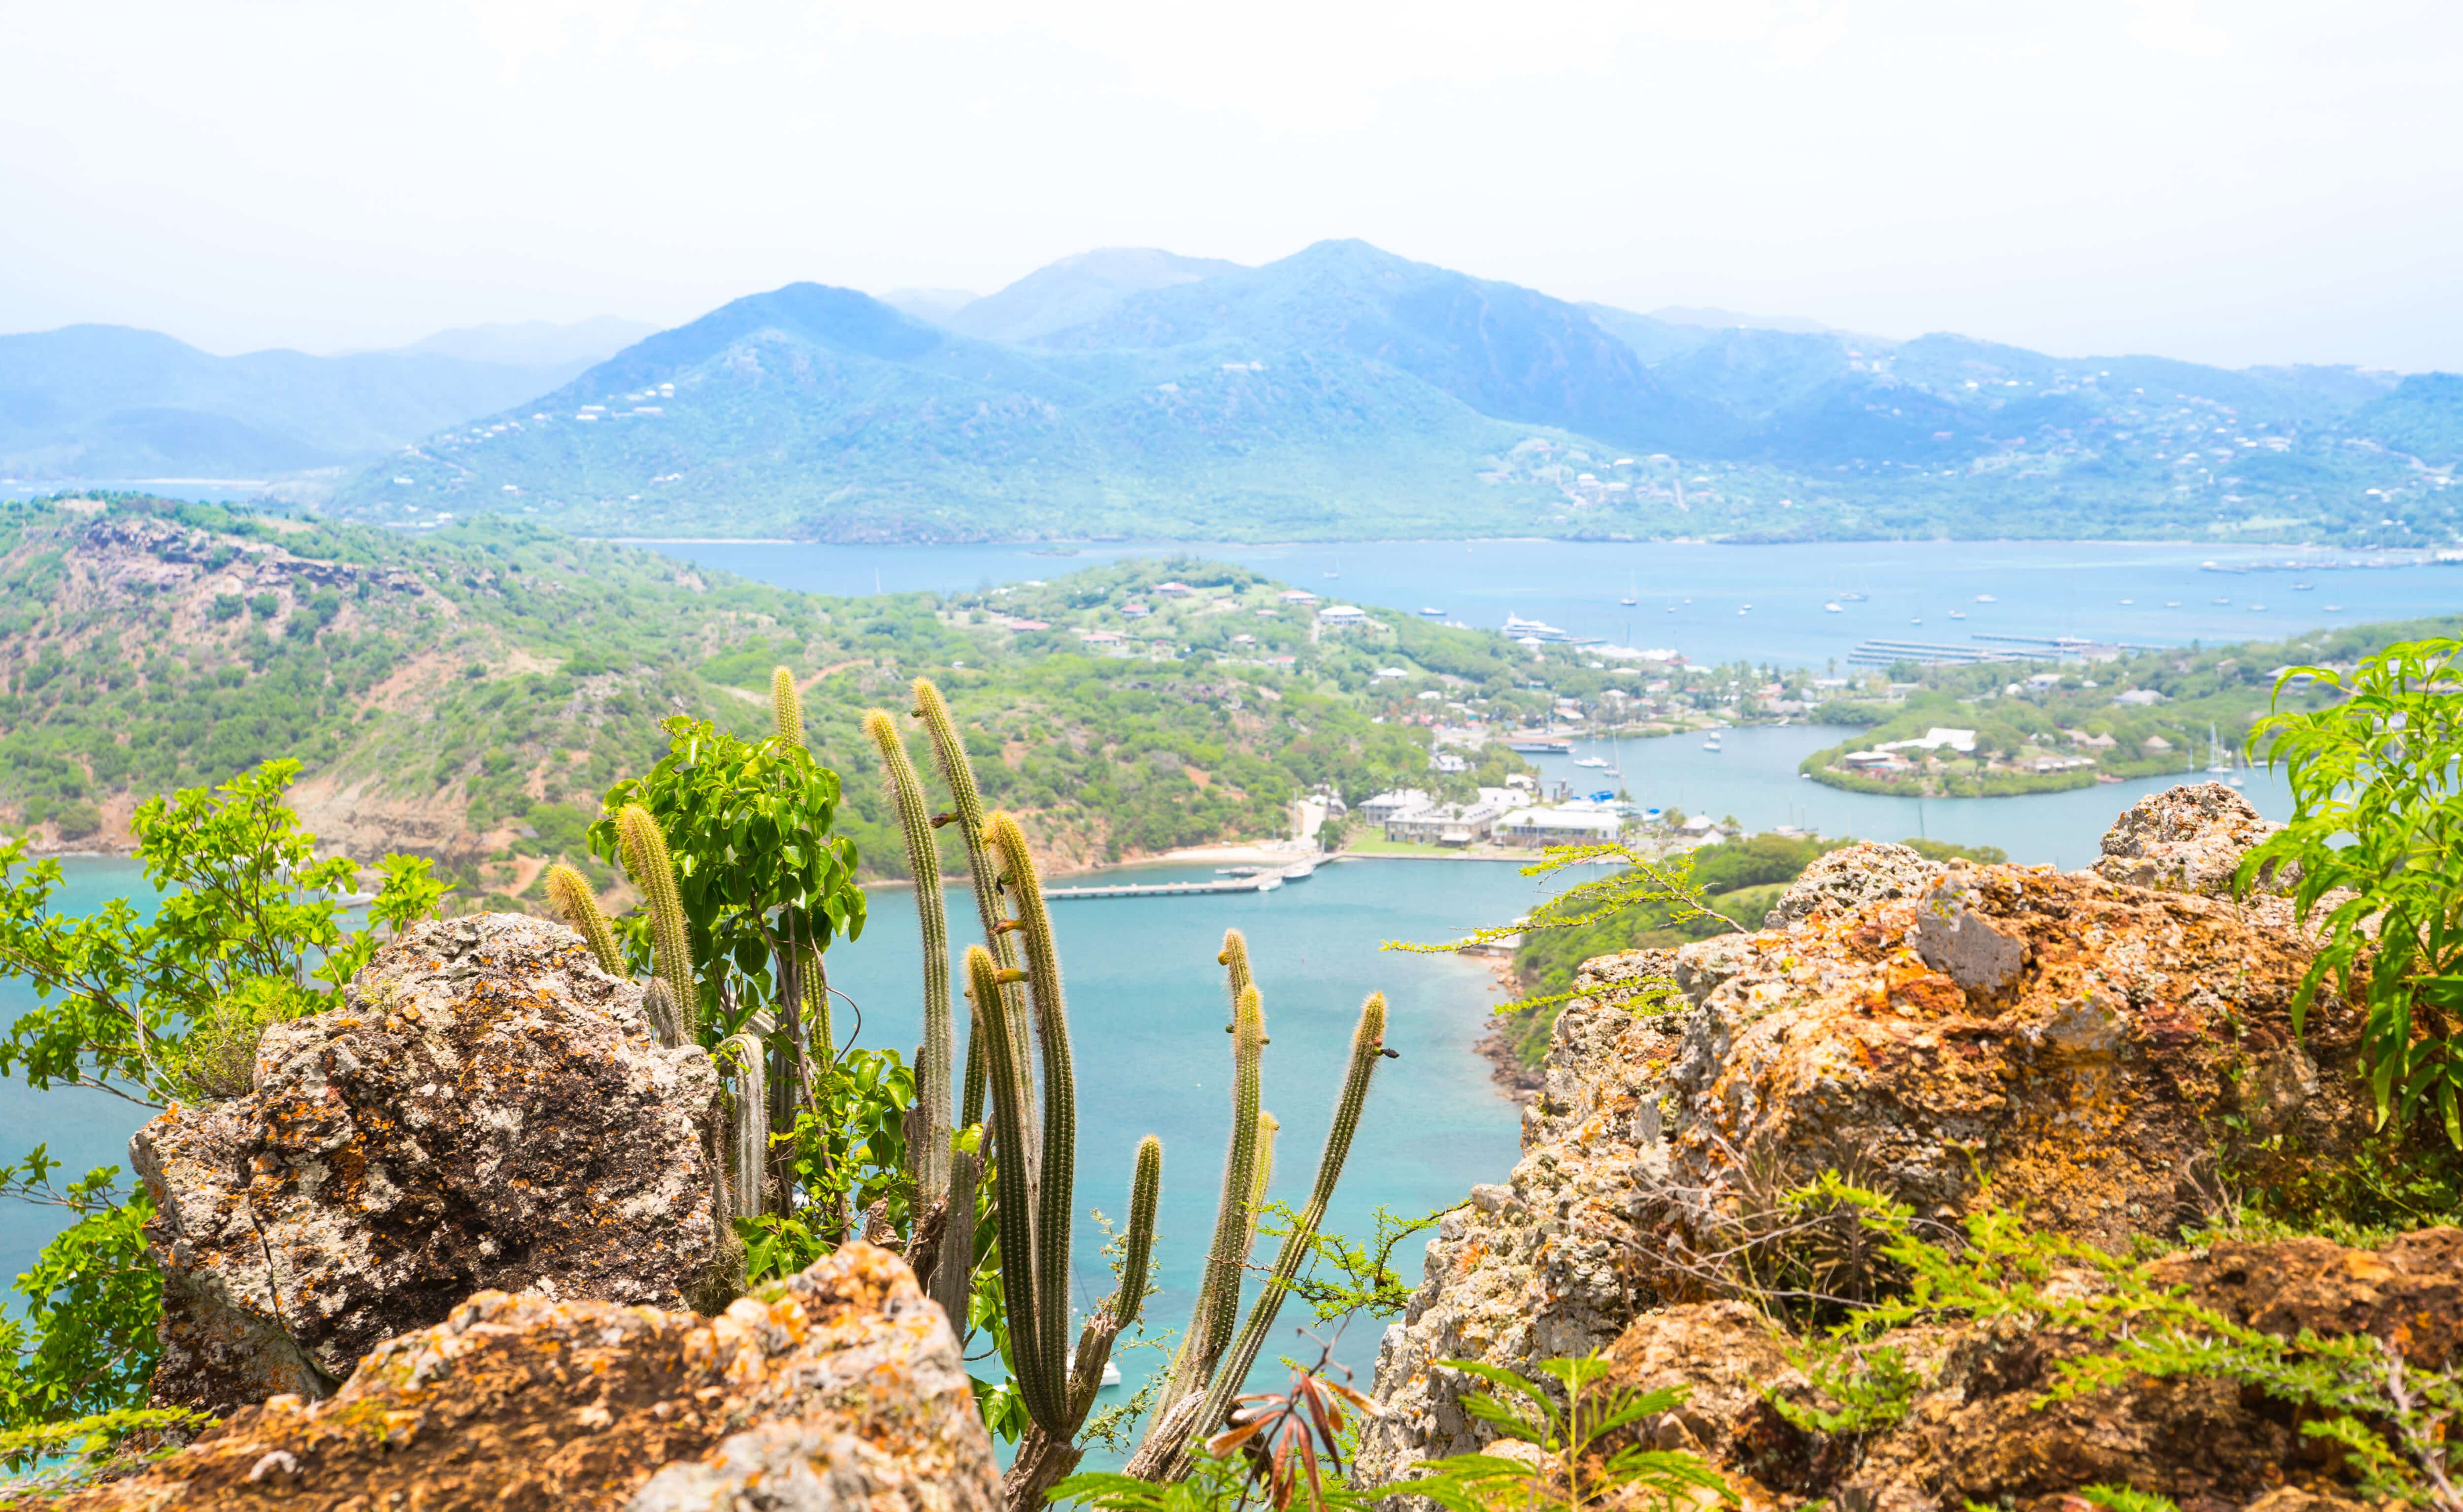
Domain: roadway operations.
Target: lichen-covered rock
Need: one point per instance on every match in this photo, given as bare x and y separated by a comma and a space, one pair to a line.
1867, 872
2190, 838
839, 1389
488, 1111
2088, 1051
2092, 1052
1538, 1267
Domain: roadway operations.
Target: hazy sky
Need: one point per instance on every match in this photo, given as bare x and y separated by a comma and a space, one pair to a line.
2242, 181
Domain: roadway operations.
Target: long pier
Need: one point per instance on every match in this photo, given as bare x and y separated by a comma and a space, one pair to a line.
1265, 881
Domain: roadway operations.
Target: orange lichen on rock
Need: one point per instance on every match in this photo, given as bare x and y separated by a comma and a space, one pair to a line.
490, 1111
2104, 1055
842, 1386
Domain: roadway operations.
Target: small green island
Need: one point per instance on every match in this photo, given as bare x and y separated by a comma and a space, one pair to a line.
2002, 729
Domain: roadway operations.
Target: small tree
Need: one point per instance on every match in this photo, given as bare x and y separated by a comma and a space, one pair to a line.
249, 929
2376, 787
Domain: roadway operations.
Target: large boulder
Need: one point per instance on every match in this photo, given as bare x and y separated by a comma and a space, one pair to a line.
2190, 838
487, 1111
840, 1389
2110, 1057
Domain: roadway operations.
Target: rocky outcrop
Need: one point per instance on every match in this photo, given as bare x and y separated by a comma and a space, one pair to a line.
487, 1111
839, 1389
1977, 1429
2190, 838
1866, 872
1952, 1036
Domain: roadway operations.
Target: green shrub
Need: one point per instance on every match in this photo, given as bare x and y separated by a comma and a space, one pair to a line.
2378, 816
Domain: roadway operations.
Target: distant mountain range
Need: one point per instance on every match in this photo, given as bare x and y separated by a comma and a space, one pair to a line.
99, 401
1344, 391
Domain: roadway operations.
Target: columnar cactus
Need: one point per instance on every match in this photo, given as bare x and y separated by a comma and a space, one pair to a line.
924, 863
786, 707
570, 895
741, 1058
967, 813
1218, 1291
654, 872
1368, 1050
1018, 1010
659, 1006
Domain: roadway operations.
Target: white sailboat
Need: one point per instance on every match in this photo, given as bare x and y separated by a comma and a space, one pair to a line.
1632, 593
2219, 763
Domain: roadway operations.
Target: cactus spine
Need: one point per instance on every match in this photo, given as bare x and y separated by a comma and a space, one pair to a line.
1023, 1276
1218, 1292
967, 811
923, 864
570, 895
654, 872
1368, 1050
786, 707
1055, 1162
742, 1056
659, 1006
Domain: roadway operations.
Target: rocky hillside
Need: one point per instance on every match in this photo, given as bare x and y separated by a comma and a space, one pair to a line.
469, 692
2109, 1052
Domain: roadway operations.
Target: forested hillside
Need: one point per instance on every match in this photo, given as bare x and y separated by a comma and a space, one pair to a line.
469, 692
1347, 393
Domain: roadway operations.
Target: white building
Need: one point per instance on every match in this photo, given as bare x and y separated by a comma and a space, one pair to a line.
1385, 806
1579, 822
1445, 823
1343, 616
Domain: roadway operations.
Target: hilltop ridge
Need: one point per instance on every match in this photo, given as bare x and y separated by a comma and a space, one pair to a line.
1347, 393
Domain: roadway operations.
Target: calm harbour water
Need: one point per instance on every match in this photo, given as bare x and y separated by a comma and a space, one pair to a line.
1148, 1010
1754, 778
1717, 604
1145, 994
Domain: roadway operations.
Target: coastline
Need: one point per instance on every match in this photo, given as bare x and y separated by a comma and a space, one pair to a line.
1515, 1082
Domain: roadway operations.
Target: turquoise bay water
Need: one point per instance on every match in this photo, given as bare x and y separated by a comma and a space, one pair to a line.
1755, 778
1145, 994
1715, 603
1148, 1009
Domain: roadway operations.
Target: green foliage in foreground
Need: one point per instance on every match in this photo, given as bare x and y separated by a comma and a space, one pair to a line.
2377, 782
85, 1345
248, 930
1576, 1423
2398, 1426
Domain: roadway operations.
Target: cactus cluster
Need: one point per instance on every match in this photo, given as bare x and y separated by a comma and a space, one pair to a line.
1020, 1063
1018, 1085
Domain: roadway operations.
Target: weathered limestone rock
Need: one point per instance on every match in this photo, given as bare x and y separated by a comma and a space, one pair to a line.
1867, 872
840, 1389
1955, 940
489, 1111
1538, 1267
2089, 1048
2191, 838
